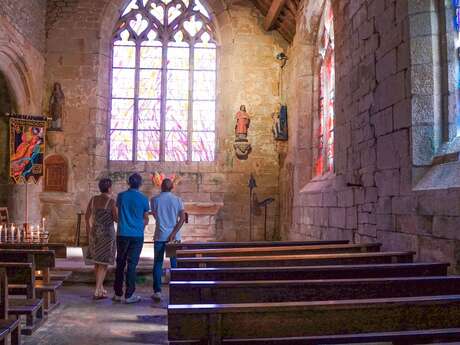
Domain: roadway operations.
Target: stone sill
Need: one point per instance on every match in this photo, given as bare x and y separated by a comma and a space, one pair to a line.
440, 176
56, 197
320, 184
203, 209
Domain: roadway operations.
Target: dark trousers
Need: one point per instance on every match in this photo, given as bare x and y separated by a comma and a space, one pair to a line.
128, 251
159, 248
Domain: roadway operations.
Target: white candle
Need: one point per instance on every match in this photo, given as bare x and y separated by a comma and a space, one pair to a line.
43, 223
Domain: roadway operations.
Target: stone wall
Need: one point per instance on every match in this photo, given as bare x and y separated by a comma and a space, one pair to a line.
28, 19
22, 41
6, 106
78, 56
373, 194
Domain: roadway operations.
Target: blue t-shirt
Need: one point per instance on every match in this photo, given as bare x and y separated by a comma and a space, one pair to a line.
132, 205
166, 208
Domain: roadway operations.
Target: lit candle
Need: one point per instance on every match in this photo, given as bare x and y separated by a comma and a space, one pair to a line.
43, 223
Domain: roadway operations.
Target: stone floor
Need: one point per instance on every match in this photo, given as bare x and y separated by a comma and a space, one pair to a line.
81, 321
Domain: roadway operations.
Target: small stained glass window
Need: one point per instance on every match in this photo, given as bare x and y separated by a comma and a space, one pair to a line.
163, 83
325, 145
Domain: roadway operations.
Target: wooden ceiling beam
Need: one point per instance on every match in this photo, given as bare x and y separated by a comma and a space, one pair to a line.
273, 13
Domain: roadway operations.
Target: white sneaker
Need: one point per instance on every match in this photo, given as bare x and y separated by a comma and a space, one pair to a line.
157, 296
116, 298
133, 299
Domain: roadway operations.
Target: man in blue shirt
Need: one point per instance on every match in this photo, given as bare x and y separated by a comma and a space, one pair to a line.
168, 210
133, 211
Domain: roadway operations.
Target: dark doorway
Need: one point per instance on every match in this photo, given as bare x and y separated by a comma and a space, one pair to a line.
7, 105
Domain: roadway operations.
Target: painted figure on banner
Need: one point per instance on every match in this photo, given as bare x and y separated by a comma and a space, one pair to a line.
56, 107
27, 149
242, 146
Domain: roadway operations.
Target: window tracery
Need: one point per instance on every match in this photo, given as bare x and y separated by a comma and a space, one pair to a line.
163, 83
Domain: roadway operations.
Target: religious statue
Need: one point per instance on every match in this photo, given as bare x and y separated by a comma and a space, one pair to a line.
56, 107
242, 146
280, 123
242, 123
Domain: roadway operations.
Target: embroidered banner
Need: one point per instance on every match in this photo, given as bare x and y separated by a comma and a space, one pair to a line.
27, 149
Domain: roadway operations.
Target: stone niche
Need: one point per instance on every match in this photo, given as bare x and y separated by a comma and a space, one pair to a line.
56, 174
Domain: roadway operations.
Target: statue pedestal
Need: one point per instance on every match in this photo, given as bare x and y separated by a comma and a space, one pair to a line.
54, 138
201, 222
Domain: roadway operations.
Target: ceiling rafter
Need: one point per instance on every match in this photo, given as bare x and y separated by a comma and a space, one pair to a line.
279, 15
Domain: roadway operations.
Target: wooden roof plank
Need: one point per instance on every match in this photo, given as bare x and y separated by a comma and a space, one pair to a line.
273, 13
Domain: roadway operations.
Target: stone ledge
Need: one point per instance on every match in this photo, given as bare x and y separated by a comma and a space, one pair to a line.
320, 184
203, 209
56, 197
442, 176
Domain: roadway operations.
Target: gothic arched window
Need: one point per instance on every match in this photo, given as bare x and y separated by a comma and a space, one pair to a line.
325, 155
163, 83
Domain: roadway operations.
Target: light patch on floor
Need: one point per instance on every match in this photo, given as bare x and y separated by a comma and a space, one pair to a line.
81, 321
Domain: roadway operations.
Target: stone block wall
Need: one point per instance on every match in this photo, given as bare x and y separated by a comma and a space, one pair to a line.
78, 56
28, 18
373, 193
22, 61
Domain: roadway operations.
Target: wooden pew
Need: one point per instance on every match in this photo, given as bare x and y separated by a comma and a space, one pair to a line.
27, 305
8, 326
296, 260
171, 248
44, 262
227, 292
317, 322
288, 250
60, 249
311, 272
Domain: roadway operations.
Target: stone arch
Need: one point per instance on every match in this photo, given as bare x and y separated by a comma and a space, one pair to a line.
110, 15
16, 73
114, 8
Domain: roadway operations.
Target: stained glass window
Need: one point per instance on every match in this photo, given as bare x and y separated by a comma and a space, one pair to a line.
325, 149
163, 83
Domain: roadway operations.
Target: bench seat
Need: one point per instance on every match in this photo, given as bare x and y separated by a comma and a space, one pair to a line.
406, 337
13, 327
32, 309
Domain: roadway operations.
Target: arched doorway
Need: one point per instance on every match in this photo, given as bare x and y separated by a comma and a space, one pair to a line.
7, 105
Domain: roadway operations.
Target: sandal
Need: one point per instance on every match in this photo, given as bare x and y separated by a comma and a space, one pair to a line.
99, 295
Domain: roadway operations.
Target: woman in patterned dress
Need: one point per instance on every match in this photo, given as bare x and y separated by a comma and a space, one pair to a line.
100, 229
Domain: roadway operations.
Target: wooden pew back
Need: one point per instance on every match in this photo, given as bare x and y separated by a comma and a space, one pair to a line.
281, 250
213, 323
60, 249
21, 273
228, 292
297, 260
44, 259
171, 248
311, 272
3, 294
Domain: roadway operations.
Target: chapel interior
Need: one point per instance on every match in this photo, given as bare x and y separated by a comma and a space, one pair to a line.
326, 123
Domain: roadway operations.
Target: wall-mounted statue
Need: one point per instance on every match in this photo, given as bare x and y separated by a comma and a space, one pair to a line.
56, 107
242, 146
280, 123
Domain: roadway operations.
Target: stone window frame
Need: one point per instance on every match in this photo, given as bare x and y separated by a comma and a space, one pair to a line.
208, 26
434, 79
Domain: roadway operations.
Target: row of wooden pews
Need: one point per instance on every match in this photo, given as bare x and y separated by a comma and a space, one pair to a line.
31, 284
307, 293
